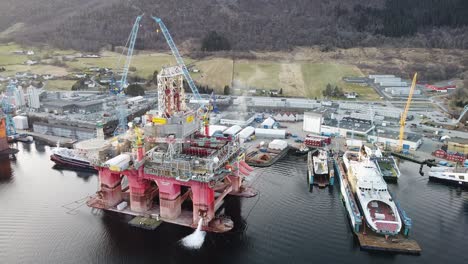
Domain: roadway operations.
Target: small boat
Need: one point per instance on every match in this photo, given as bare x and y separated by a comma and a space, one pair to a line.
300, 149
25, 138
322, 169
21, 138
452, 175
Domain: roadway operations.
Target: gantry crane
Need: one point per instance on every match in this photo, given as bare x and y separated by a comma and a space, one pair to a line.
118, 87
178, 58
405, 114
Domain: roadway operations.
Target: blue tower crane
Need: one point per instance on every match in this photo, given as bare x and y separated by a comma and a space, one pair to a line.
8, 109
179, 59
118, 87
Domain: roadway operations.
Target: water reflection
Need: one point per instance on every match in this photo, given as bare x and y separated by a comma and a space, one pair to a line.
25, 146
6, 173
40, 147
83, 174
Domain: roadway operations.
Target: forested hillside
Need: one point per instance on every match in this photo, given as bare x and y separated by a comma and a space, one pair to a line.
245, 24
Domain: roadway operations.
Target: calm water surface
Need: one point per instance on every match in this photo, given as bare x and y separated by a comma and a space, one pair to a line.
284, 224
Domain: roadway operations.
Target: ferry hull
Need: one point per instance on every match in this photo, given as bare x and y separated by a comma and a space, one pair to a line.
71, 164
449, 182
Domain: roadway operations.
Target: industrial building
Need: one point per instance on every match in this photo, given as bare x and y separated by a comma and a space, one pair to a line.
312, 122
240, 119
33, 97
62, 106
458, 145
79, 133
347, 127
391, 139
401, 91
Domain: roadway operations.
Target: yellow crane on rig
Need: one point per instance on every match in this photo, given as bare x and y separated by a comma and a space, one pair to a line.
405, 114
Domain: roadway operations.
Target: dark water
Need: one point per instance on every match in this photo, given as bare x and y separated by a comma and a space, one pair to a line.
285, 224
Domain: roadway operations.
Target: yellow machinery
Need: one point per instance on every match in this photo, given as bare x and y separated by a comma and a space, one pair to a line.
405, 114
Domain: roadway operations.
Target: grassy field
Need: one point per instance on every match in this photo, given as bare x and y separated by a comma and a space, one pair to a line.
257, 74
145, 63
59, 85
303, 78
318, 75
214, 73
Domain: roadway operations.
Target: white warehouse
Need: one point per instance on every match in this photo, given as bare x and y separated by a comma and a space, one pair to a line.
312, 122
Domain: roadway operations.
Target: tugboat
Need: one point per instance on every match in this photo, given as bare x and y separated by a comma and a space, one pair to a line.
376, 203
21, 138
321, 170
70, 159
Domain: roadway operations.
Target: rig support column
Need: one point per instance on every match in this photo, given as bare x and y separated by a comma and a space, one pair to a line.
203, 203
236, 182
111, 188
140, 194
170, 205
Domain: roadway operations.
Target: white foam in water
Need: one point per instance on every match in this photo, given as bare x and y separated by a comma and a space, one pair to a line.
196, 239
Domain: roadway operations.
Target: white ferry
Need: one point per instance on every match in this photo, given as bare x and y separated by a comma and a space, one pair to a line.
376, 203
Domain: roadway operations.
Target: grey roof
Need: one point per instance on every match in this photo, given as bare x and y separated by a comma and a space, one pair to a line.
88, 103
58, 103
349, 123
396, 135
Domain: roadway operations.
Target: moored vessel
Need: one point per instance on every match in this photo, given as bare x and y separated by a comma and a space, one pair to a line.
452, 175
385, 163
69, 158
370, 189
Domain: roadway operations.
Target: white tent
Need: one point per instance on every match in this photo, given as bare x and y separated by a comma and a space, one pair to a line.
278, 144
246, 132
232, 131
268, 123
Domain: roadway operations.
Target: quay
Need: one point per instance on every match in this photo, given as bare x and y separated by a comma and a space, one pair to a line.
49, 139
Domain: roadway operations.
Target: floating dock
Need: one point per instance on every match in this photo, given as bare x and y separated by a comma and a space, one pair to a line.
368, 239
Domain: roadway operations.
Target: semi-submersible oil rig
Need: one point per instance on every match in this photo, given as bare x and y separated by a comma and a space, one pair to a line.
168, 162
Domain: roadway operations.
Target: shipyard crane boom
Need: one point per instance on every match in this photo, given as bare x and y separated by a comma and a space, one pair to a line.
118, 88
179, 59
8, 108
405, 114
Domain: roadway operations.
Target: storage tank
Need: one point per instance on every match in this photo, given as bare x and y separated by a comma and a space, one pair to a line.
21, 122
